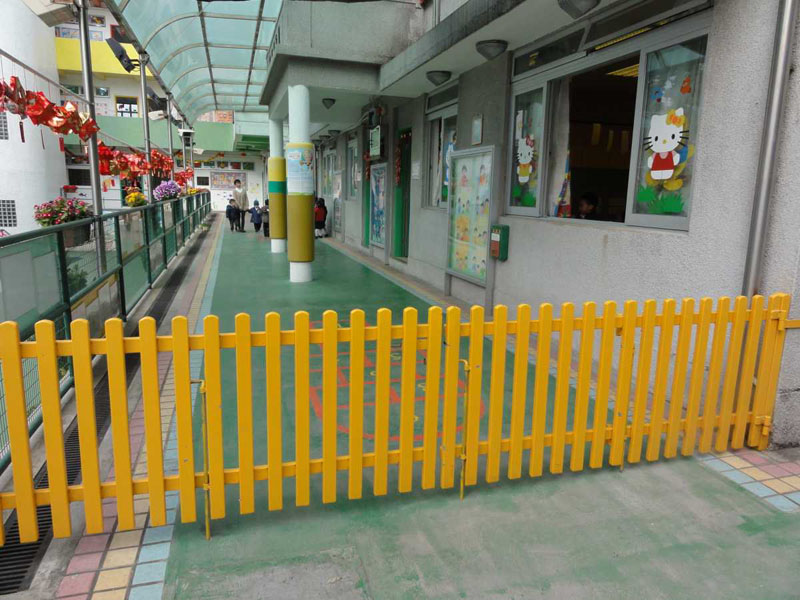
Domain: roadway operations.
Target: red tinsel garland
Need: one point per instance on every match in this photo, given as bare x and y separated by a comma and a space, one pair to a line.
60, 119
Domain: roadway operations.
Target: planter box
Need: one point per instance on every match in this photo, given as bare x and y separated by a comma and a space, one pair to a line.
77, 236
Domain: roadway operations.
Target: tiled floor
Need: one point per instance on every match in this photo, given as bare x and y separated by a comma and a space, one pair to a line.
131, 565
772, 476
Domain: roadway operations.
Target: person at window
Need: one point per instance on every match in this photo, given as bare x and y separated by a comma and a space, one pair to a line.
320, 216
240, 196
587, 207
232, 213
255, 216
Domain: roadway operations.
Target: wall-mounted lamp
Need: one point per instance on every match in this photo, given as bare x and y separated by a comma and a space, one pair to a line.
577, 8
438, 77
328, 102
490, 49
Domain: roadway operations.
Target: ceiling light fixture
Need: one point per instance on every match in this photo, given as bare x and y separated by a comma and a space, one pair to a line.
490, 49
438, 77
577, 8
328, 102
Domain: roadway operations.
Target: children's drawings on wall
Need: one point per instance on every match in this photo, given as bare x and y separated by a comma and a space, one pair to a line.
468, 213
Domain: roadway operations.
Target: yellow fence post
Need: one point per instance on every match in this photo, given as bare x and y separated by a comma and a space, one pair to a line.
18, 434
120, 429
519, 390
496, 392
747, 371
152, 421
382, 369
213, 384
698, 372
450, 410
47, 362
603, 385
433, 365
561, 401
680, 368
578, 449
87, 429
244, 413
775, 371
642, 381
731, 373
660, 384
356, 439
764, 370
272, 326
408, 370
183, 418
714, 374
302, 436
622, 397
540, 397
330, 385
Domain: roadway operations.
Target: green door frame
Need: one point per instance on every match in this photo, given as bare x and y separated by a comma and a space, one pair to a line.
402, 197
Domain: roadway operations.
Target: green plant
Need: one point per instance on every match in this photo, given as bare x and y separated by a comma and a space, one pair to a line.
666, 203
77, 279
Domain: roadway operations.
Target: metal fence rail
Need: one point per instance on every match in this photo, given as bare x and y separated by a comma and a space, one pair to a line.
56, 273
699, 379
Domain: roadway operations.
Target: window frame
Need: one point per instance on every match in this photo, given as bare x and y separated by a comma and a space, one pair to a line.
640, 219
439, 114
694, 26
530, 84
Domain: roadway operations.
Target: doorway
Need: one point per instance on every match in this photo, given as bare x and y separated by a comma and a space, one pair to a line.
402, 195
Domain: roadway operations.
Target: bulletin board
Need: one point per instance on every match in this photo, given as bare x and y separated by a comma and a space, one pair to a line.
223, 180
468, 210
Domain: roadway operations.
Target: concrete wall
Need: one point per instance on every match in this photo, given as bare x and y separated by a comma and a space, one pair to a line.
29, 173
117, 86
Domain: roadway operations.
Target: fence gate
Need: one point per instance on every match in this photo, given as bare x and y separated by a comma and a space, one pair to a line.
371, 400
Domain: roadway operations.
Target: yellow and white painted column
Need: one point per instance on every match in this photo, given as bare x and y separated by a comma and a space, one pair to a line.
276, 172
300, 187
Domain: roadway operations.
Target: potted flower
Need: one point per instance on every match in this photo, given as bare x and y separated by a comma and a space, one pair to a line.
167, 190
135, 197
62, 210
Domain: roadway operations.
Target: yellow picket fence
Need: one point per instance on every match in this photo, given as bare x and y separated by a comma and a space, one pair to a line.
637, 384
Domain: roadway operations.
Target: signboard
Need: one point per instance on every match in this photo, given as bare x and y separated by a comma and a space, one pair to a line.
223, 180
300, 168
377, 204
468, 213
375, 141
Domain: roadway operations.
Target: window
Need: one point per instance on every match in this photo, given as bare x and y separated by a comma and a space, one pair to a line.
8, 213
670, 116
127, 106
102, 92
75, 89
79, 177
202, 180
3, 126
353, 169
526, 145
442, 142
328, 166
609, 136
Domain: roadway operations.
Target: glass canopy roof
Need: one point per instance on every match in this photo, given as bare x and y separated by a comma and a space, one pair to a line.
211, 54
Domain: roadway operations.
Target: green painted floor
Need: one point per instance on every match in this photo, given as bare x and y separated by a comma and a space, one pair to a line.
665, 530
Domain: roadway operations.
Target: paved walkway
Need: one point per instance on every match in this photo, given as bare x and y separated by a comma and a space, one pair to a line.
676, 529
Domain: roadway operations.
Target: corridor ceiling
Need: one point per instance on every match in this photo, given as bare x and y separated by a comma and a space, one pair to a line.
211, 54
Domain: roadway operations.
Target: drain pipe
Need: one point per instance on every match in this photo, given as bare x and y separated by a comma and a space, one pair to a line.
781, 63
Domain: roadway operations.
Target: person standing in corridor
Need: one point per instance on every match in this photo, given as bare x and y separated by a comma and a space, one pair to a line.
240, 197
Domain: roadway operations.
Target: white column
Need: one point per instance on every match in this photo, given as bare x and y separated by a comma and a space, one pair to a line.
276, 177
299, 201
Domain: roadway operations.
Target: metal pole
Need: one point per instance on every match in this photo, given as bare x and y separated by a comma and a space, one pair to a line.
779, 74
94, 162
169, 134
143, 60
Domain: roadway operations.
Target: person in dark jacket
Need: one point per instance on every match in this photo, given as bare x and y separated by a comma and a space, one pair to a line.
320, 216
265, 217
232, 213
255, 216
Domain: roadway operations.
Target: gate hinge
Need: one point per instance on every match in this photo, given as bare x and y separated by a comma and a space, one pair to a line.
766, 426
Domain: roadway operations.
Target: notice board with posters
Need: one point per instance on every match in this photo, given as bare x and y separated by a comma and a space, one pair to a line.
468, 210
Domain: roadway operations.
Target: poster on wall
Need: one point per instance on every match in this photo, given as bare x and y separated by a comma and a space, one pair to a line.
300, 169
377, 203
223, 180
468, 213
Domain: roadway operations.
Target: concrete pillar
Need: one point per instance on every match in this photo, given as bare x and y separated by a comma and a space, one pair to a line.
276, 171
300, 187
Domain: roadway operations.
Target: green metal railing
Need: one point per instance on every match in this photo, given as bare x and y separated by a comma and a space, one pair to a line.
95, 268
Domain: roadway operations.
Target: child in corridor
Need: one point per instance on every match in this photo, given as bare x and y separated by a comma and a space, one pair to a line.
320, 216
232, 213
